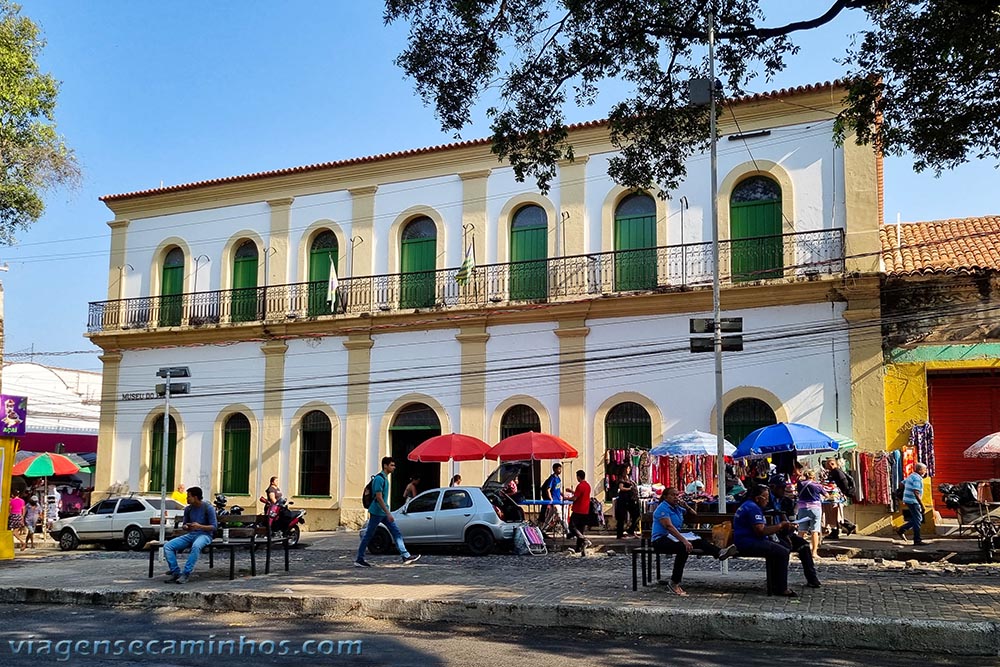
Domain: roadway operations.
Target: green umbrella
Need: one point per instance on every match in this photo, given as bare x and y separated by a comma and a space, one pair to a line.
844, 443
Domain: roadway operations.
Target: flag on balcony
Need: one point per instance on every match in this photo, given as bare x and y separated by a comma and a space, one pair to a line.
331, 287
468, 266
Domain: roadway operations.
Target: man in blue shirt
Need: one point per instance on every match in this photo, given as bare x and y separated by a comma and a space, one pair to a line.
552, 491
379, 514
200, 522
666, 536
913, 491
782, 507
751, 534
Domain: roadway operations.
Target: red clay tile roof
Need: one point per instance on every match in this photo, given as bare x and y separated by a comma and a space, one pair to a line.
757, 97
941, 246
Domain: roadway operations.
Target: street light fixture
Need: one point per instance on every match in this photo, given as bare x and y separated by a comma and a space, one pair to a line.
165, 389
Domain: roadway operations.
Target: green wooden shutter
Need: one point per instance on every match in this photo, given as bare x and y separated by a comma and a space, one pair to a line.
236, 456
744, 417
156, 456
760, 256
528, 271
635, 259
245, 289
171, 288
417, 264
320, 260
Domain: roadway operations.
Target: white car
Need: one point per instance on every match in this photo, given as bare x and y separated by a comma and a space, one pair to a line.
479, 518
131, 520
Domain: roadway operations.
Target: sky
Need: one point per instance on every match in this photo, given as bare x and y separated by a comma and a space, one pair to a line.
173, 92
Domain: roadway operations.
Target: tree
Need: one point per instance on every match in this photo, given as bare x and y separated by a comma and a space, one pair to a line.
33, 157
923, 78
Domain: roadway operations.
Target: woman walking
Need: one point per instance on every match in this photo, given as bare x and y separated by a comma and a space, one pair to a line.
32, 512
15, 521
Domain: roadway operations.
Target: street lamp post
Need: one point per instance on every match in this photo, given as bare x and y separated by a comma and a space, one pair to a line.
164, 390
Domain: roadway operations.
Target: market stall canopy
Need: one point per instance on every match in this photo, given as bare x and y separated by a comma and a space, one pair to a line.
785, 437
844, 443
695, 443
47, 465
449, 447
987, 447
532, 446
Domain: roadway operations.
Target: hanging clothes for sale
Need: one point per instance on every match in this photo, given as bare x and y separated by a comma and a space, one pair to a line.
922, 439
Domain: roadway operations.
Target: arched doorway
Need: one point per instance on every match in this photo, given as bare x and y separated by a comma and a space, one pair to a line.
171, 288
522, 419
528, 252
236, 455
315, 455
417, 264
245, 306
156, 456
745, 416
635, 243
413, 424
323, 258
755, 230
627, 429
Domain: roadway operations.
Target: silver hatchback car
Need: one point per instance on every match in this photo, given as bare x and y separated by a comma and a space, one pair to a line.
131, 521
479, 518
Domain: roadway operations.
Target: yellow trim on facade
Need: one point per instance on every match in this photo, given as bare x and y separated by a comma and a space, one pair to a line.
159, 258
146, 446
229, 257
272, 433
305, 248
609, 208
861, 206
572, 221
506, 219
474, 189
116, 262
363, 229
354, 452
473, 337
279, 242
395, 239
572, 334
740, 173
106, 426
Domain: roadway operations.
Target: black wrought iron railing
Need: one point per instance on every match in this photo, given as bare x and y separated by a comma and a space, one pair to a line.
802, 254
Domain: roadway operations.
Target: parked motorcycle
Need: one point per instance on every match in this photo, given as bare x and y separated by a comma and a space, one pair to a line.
283, 520
964, 499
220, 503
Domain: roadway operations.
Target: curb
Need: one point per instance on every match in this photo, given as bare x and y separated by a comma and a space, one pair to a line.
880, 634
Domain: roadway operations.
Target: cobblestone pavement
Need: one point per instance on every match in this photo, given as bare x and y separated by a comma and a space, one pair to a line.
855, 588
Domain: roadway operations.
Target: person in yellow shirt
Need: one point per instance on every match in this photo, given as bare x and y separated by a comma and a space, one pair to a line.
180, 495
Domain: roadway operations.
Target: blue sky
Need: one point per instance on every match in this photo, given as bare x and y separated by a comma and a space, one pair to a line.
182, 91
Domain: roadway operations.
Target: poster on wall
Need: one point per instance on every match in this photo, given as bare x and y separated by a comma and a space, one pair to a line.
15, 414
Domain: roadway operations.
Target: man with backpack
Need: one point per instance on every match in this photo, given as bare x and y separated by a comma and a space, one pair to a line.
378, 513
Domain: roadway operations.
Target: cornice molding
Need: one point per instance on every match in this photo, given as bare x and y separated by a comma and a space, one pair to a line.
280, 202
473, 175
363, 191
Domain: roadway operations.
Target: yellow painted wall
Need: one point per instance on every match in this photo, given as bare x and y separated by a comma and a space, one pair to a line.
8, 447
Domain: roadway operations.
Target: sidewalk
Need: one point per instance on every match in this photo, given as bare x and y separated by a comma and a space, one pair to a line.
931, 608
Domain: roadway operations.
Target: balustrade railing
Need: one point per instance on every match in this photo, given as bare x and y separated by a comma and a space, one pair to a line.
802, 254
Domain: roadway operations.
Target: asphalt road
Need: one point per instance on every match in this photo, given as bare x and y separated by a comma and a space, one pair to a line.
91, 636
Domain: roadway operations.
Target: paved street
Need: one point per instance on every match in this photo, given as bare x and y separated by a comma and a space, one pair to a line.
860, 594
145, 638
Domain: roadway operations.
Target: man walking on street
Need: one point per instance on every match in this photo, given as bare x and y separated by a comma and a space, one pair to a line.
200, 522
378, 513
913, 490
580, 519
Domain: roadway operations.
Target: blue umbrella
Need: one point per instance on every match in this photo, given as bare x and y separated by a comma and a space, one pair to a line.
784, 437
695, 443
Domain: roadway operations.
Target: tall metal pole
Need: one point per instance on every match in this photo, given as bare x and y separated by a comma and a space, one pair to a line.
716, 291
164, 446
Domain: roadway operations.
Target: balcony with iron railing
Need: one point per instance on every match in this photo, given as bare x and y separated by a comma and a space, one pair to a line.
799, 255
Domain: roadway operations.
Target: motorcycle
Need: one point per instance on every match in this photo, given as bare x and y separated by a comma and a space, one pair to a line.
220, 503
284, 521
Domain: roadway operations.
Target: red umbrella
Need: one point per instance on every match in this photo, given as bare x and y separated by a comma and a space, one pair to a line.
531, 445
450, 447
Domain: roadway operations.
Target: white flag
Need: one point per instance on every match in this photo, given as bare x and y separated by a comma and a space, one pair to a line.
331, 288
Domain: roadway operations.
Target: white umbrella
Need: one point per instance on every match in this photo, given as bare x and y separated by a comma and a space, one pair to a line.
695, 443
987, 447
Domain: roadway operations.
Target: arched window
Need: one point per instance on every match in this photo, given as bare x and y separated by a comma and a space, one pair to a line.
315, 455
528, 252
635, 243
245, 298
744, 416
418, 262
519, 419
236, 455
627, 428
323, 260
156, 455
171, 288
755, 230
413, 424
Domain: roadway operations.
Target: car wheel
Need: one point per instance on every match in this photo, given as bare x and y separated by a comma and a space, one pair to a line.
68, 540
480, 541
134, 539
293, 536
381, 543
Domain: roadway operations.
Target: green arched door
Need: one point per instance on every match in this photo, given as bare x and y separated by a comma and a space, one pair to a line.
755, 230
236, 455
245, 282
156, 456
528, 252
171, 288
323, 254
744, 417
627, 427
635, 243
418, 262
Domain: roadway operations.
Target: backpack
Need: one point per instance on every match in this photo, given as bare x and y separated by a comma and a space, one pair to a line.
545, 490
367, 496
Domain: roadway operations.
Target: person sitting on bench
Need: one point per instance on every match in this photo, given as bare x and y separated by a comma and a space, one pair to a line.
752, 536
668, 538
